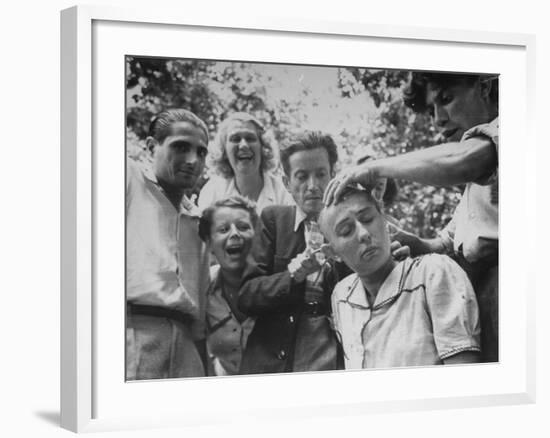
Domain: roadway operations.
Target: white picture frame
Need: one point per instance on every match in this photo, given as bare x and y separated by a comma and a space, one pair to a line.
93, 398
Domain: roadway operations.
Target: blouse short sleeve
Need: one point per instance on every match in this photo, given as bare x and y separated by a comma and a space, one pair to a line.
452, 306
490, 131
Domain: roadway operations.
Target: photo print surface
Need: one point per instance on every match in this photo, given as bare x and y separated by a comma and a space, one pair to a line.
298, 218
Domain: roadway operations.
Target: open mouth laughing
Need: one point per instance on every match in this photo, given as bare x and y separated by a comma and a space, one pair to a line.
245, 156
234, 250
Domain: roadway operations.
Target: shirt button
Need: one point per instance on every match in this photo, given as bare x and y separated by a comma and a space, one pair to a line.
281, 355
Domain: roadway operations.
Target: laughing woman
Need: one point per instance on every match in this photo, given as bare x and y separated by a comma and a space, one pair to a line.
227, 227
243, 158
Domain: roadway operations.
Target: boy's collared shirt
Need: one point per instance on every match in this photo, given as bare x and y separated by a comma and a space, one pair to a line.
226, 336
473, 230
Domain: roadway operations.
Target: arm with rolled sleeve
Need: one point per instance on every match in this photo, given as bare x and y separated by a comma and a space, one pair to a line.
265, 291
453, 309
486, 131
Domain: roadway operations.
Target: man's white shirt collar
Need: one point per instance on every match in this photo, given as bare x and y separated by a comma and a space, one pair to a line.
300, 217
187, 207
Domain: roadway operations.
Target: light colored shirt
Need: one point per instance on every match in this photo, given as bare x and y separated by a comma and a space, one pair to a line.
425, 312
226, 336
273, 192
473, 230
166, 261
298, 219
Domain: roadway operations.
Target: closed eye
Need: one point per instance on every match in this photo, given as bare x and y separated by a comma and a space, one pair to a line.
344, 229
366, 217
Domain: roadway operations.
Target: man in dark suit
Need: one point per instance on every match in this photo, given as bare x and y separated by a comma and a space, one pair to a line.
288, 287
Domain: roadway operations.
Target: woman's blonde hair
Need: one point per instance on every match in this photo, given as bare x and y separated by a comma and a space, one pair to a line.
217, 155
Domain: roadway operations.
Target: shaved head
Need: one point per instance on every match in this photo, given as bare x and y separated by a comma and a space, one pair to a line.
356, 231
327, 212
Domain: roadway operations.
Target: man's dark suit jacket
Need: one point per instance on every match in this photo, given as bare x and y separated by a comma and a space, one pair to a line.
275, 299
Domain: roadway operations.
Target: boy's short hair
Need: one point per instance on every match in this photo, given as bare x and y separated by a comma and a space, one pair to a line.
414, 94
237, 201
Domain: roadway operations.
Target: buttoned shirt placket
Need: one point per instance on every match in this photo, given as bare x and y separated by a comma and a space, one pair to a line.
365, 317
241, 330
366, 312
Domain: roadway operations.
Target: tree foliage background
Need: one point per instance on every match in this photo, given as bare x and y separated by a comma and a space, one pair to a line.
361, 108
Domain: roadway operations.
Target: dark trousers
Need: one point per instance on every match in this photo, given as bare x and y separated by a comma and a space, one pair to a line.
484, 278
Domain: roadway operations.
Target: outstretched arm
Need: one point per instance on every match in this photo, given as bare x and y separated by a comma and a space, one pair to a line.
442, 165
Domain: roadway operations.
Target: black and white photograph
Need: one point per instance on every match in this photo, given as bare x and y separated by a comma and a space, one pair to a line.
233, 219
285, 218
